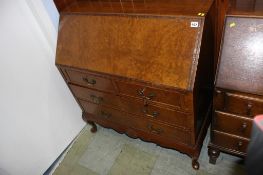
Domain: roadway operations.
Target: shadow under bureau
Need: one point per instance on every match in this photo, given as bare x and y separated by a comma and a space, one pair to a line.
143, 69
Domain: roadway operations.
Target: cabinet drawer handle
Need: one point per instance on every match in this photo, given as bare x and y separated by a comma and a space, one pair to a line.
239, 144
154, 130
96, 99
218, 92
146, 112
90, 82
249, 109
244, 127
105, 114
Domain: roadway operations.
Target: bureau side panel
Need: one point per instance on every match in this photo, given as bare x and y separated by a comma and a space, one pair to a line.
203, 88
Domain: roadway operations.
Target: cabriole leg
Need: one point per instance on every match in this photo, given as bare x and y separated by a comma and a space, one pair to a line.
93, 125
213, 155
195, 163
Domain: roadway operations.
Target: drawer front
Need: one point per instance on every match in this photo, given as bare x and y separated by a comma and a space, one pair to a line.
237, 104
90, 80
153, 112
95, 96
232, 124
164, 131
150, 94
227, 141
138, 123
104, 113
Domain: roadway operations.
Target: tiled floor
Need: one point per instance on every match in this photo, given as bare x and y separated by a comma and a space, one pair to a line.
110, 153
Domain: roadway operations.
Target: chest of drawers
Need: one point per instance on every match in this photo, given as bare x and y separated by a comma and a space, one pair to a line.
143, 69
238, 95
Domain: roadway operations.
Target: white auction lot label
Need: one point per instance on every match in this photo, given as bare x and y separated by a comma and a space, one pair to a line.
194, 24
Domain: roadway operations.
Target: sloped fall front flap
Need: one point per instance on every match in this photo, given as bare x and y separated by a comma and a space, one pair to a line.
158, 49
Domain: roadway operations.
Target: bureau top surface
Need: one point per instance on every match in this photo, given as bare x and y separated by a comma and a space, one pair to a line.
159, 50
150, 7
241, 62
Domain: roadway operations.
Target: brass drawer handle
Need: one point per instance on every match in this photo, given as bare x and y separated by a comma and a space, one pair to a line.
141, 92
105, 114
90, 82
146, 112
150, 96
155, 130
155, 114
96, 99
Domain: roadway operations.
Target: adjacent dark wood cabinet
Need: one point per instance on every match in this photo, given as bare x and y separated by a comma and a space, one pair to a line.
221, 7
238, 95
144, 68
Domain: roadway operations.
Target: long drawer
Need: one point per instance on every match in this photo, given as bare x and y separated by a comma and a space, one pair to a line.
172, 98
238, 104
139, 123
229, 142
95, 96
232, 124
169, 116
90, 80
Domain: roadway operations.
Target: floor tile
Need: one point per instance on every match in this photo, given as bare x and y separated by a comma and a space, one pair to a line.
70, 160
133, 161
173, 165
110, 153
102, 152
80, 170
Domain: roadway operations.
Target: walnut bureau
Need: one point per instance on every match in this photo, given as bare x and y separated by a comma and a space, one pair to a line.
238, 95
143, 68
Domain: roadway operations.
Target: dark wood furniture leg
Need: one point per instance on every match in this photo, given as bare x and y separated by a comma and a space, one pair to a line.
195, 163
213, 155
93, 125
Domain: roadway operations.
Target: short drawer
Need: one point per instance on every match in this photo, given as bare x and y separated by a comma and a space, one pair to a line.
228, 141
238, 104
151, 94
96, 97
162, 130
232, 124
153, 112
104, 113
90, 80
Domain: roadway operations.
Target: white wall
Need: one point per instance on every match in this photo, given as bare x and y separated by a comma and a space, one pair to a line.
52, 11
38, 115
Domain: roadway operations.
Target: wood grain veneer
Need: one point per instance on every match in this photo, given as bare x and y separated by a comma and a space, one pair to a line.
136, 47
148, 7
